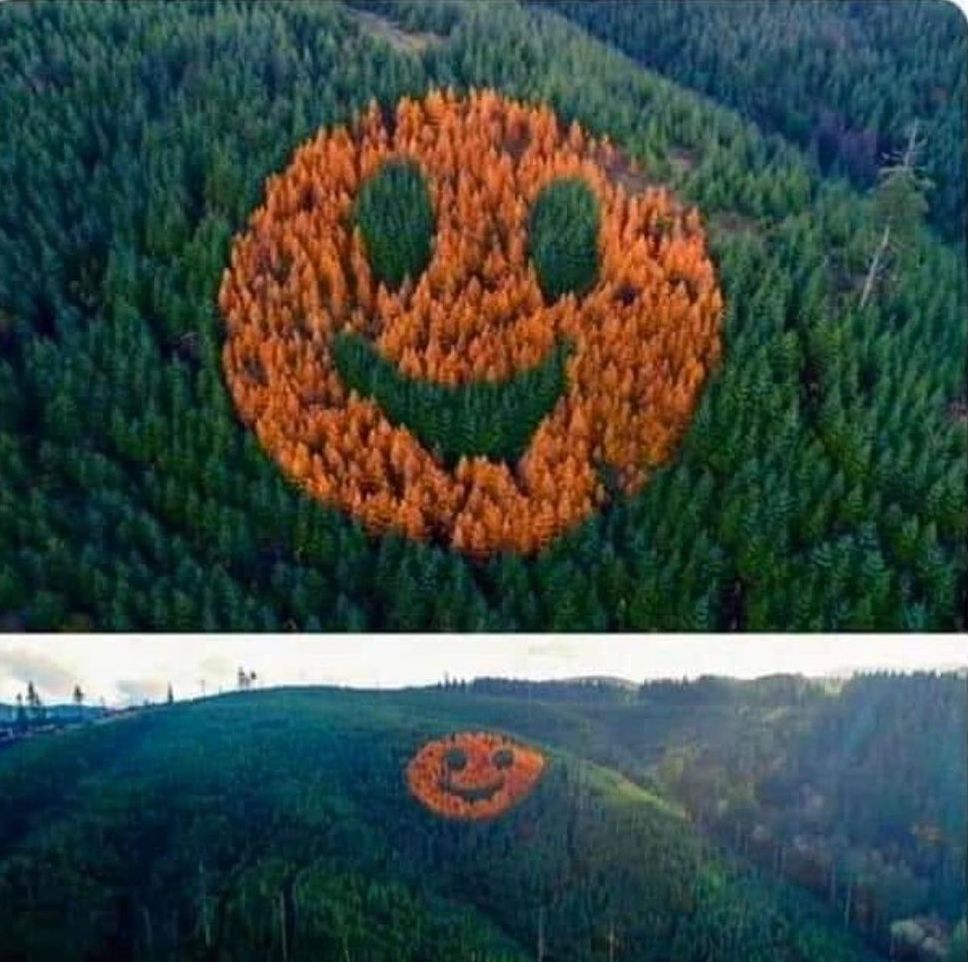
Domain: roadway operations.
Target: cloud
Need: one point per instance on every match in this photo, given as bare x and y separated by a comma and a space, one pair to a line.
559, 650
216, 667
51, 679
141, 690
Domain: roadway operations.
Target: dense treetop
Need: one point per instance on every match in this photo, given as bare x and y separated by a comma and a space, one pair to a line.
396, 220
473, 775
852, 790
279, 825
844, 80
821, 483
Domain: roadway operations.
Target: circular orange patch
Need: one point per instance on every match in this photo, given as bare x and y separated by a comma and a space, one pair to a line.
473, 774
643, 338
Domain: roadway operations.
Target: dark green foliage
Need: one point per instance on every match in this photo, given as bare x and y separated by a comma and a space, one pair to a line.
396, 219
278, 826
852, 790
812, 72
504, 758
959, 944
857, 774
563, 238
822, 484
455, 759
899, 201
493, 419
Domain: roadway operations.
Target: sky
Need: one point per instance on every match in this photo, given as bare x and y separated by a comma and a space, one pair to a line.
124, 670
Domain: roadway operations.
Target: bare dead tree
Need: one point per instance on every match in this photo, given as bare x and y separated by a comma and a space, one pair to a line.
899, 199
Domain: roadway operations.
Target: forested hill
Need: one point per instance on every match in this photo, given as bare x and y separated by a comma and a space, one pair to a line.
821, 482
855, 790
843, 80
279, 826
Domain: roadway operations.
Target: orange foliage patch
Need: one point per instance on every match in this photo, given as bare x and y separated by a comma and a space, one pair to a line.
473, 775
645, 337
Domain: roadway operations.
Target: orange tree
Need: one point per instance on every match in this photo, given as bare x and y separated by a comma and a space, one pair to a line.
820, 484
535, 244
473, 775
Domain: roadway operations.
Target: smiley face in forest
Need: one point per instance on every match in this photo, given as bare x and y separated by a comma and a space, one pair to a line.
473, 775
457, 322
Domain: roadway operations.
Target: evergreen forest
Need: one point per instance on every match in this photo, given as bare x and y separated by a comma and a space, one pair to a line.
818, 481
782, 820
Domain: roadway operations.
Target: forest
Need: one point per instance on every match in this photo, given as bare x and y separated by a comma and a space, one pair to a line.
639, 823
782, 64
852, 790
807, 473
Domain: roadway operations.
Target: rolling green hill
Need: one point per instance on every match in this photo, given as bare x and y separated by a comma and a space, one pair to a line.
278, 825
820, 486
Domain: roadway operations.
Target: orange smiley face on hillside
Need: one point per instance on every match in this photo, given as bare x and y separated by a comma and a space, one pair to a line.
641, 338
473, 775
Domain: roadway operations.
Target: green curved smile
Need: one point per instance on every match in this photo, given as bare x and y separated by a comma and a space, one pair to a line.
495, 420
473, 793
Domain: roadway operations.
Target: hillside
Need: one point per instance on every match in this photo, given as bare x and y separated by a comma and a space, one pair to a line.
54, 713
812, 73
814, 479
278, 825
853, 790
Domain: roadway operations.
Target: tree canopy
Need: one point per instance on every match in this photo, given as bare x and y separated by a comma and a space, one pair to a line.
276, 825
820, 483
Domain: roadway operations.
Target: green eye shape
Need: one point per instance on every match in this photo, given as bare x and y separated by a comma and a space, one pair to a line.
455, 759
396, 219
503, 758
563, 237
